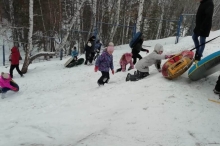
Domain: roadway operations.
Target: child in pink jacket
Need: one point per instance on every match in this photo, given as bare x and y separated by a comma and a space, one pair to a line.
125, 59
6, 83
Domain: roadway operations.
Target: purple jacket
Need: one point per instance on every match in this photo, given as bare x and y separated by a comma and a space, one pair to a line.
104, 62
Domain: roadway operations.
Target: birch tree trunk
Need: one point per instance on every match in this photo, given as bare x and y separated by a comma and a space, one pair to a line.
128, 21
29, 46
161, 19
94, 8
72, 22
140, 11
114, 28
11, 12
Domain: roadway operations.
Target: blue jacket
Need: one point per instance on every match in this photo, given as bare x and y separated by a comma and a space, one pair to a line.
74, 53
105, 62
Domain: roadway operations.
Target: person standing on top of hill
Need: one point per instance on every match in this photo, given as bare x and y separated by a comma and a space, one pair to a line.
203, 26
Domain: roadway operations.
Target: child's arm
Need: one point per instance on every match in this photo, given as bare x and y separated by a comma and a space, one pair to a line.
158, 65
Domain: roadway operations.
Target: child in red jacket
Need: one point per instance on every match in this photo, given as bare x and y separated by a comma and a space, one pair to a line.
15, 56
125, 59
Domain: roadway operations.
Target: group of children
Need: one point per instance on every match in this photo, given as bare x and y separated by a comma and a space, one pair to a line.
104, 63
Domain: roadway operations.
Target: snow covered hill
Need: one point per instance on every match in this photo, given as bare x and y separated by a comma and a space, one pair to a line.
59, 106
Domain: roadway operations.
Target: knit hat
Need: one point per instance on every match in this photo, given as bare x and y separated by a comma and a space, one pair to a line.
158, 48
111, 44
110, 49
5, 75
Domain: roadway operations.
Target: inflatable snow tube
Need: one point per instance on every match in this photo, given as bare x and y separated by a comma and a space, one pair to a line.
205, 67
135, 39
178, 64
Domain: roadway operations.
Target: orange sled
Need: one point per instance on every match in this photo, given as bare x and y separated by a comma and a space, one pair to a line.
178, 64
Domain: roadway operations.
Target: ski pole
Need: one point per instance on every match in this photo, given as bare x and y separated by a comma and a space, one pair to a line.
204, 43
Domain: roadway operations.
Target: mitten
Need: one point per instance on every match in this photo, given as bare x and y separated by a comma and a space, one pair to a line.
96, 68
168, 56
159, 70
113, 72
147, 51
14, 89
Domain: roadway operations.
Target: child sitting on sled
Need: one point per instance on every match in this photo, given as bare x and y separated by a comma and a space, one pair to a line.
125, 59
105, 62
6, 84
142, 65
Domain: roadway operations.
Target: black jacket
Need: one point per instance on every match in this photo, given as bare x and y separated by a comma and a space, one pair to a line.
204, 18
138, 47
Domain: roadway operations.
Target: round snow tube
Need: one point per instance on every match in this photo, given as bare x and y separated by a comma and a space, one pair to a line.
205, 67
178, 64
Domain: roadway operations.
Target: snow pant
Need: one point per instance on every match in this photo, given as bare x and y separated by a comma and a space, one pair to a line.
197, 42
92, 54
135, 56
12, 67
104, 78
87, 56
5, 89
119, 69
217, 86
139, 75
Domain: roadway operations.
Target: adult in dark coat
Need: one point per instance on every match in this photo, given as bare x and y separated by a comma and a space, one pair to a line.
90, 50
203, 25
14, 57
136, 50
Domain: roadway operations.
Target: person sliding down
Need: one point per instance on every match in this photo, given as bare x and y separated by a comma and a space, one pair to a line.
125, 59
142, 65
6, 84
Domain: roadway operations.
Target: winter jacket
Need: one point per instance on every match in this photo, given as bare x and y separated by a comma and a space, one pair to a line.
124, 62
143, 64
5, 83
98, 46
90, 45
74, 53
104, 62
15, 56
138, 47
204, 18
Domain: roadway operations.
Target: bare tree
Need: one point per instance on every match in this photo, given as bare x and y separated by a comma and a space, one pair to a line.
140, 11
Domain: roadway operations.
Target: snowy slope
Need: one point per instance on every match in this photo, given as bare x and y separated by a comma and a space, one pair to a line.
59, 106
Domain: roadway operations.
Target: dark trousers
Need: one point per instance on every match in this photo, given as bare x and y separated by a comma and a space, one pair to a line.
88, 54
217, 86
135, 56
12, 67
139, 75
92, 54
197, 42
119, 69
104, 78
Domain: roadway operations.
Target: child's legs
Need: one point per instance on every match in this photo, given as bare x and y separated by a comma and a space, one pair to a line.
104, 78
139, 56
18, 70
5, 89
134, 58
201, 48
14, 85
12, 67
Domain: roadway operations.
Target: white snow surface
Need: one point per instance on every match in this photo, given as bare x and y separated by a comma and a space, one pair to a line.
59, 106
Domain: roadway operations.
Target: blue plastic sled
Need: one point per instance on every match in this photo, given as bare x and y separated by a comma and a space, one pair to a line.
135, 39
205, 67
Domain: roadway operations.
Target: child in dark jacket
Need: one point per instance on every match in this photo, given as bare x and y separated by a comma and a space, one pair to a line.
103, 63
126, 59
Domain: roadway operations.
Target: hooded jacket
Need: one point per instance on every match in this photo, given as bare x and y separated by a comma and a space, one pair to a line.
15, 56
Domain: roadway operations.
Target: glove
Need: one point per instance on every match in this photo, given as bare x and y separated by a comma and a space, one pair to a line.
159, 70
96, 68
168, 56
14, 89
147, 51
113, 72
